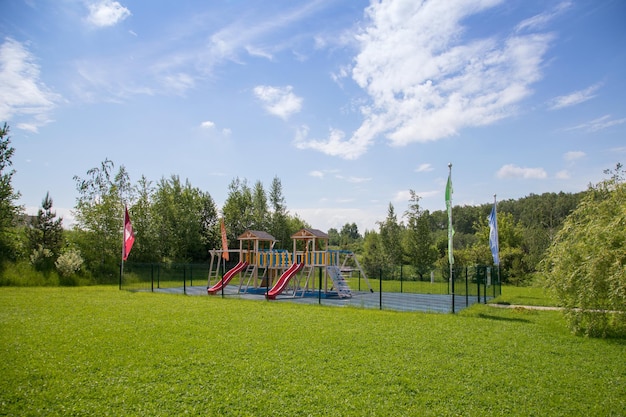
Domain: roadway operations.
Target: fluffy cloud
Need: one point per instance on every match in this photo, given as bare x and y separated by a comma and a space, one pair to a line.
106, 13
279, 101
513, 171
23, 94
426, 81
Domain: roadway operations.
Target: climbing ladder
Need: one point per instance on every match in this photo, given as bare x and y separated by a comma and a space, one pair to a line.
306, 273
339, 281
247, 276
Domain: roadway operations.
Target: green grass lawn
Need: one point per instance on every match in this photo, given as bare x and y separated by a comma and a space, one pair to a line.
101, 351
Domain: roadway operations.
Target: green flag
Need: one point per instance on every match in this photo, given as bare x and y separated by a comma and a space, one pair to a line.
449, 207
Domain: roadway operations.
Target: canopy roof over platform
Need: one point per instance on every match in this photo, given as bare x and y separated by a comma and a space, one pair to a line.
257, 235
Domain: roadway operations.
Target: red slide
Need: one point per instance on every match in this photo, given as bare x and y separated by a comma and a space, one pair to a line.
227, 277
283, 280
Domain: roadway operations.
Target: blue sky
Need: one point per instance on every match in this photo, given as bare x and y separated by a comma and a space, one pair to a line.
350, 103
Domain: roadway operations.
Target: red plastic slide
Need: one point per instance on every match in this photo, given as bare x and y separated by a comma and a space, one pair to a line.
227, 277
283, 280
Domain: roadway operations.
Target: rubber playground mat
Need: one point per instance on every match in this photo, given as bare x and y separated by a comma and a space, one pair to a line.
438, 303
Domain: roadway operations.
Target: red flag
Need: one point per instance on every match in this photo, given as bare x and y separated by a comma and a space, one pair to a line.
224, 240
129, 236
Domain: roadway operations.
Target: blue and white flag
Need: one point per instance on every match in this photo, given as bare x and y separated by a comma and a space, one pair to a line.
493, 235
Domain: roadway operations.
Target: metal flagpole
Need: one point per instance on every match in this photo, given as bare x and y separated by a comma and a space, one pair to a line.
450, 231
495, 210
123, 243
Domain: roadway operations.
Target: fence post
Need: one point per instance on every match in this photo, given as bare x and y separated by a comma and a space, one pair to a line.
319, 290
380, 289
184, 280
452, 289
466, 288
401, 276
152, 277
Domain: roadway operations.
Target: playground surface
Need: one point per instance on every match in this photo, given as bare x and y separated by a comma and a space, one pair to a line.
436, 303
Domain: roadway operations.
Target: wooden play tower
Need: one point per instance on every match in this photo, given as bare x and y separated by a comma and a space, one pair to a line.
266, 270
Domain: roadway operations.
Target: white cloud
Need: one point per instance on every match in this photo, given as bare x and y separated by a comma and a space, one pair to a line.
207, 124
598, 124
22, 93
279, 101
334, 145
324, 218
563, 175
351, 179
574, 155
425, 81
513, 171
402, 196
178, 83
424, 168
317, 174
540, 20
106, 13
574, 98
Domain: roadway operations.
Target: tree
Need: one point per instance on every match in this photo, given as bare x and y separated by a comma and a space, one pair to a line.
419, 248
185, 220
373, 260
279, 223
46, 235
391, 241
585, 266
349, 235
237, 209
260, 210
99, 216
9, 211
334, 239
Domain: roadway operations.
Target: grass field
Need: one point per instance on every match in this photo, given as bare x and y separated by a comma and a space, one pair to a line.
101, 351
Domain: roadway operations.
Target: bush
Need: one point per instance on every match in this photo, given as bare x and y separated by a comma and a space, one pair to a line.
586, 265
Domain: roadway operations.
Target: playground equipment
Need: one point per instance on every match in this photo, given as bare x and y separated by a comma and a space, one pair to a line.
227, 277
254, 249
276, 272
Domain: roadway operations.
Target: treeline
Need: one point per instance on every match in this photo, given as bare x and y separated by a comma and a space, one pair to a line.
419, 238
176, 222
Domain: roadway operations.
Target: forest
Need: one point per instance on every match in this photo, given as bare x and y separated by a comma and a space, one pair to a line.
178, 223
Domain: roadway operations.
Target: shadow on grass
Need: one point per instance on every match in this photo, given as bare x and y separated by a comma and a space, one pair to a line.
500, 318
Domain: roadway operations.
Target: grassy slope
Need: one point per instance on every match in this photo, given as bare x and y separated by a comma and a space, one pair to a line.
101, 351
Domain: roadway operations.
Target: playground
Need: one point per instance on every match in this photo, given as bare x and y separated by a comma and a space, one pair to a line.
313, 274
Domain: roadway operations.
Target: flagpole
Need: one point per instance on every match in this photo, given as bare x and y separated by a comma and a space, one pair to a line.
495, 210
123, 243
450, 233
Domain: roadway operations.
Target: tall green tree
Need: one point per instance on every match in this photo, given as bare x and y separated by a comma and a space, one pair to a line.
585, 267
419, 245
373, 259
185, 219
45, 235
349, 235
237, 209
391, 241
99, 216
9, 210
279, 224
146, 246
260, 209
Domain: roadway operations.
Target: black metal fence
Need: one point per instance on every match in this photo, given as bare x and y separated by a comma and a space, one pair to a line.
159, 276
434, 292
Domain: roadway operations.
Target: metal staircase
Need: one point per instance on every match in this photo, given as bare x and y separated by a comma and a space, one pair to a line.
339, 281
